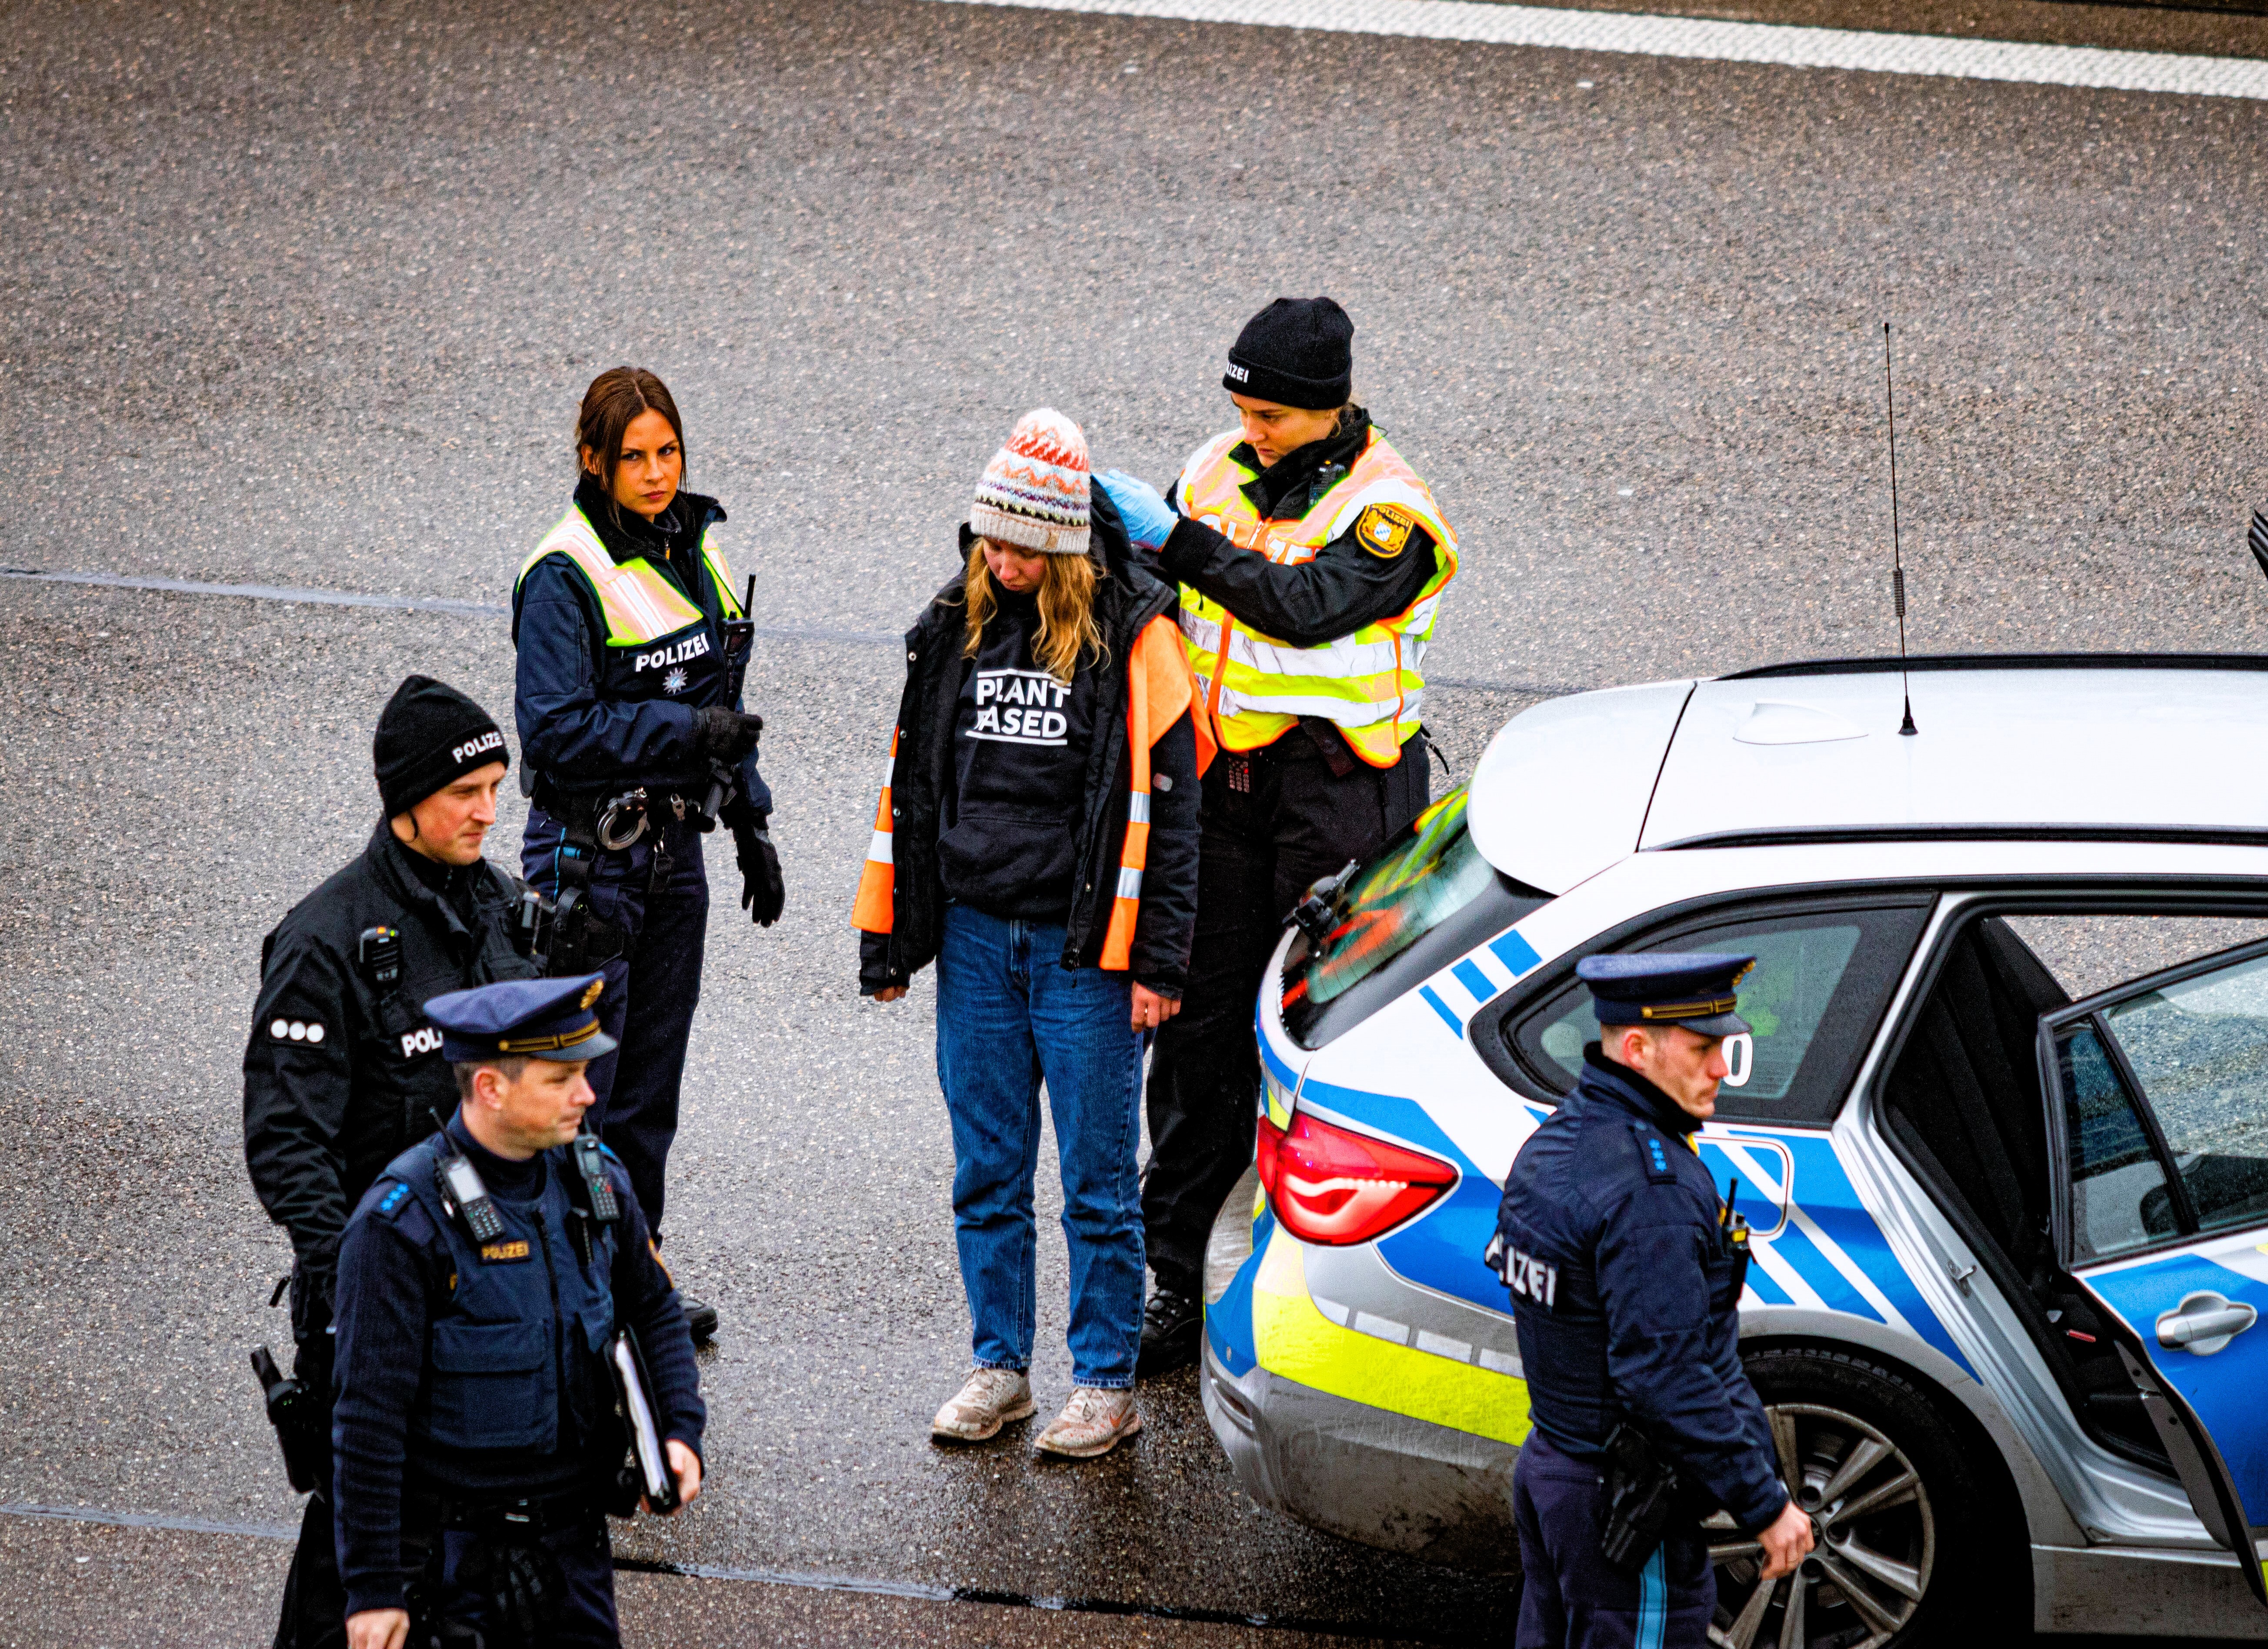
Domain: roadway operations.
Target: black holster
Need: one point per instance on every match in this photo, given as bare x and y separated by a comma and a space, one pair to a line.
1639, 1502
573, 939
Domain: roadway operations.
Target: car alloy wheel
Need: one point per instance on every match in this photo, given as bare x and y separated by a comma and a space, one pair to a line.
1875, 1540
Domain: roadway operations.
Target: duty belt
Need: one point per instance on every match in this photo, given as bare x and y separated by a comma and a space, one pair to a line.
528, 1514
612, 820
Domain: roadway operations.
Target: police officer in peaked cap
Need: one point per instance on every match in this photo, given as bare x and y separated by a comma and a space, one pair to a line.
343, 1065
1625, 1268
488, 1284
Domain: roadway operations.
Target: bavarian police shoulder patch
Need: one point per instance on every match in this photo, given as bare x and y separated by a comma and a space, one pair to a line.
1384, 529
1655, 1154
390, 1205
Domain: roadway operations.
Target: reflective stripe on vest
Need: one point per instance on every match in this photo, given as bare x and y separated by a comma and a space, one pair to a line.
640, 603
1372, 683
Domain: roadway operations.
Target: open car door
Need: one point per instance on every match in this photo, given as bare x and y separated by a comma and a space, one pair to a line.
2157, 1095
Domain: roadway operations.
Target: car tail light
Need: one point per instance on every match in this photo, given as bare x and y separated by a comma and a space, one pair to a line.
1333, 1186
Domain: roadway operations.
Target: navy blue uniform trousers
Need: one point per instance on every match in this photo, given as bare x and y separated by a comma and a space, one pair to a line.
586, 1619
652, 988
1572, 1598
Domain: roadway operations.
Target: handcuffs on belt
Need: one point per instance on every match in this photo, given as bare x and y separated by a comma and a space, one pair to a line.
617, 811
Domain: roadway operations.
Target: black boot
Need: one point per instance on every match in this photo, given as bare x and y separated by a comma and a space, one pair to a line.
1171, 1324
700, 1317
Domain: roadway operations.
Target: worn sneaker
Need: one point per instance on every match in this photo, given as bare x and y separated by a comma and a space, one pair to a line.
992, 1397
700, 1318
1171, 1324
1094, 1422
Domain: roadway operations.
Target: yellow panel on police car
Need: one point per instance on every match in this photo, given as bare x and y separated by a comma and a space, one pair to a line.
1292, 1339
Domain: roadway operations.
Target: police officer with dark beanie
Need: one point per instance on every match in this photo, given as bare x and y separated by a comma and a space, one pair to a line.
342, 1067
500, 1311
632, 644
1625, 1268
1311, 560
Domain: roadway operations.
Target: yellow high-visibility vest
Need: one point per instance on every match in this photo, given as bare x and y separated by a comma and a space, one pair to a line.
1371, 683
640, 602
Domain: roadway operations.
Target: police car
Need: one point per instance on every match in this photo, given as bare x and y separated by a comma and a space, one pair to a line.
2000, 1128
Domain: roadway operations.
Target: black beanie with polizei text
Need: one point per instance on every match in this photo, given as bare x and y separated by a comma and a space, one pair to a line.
431, 735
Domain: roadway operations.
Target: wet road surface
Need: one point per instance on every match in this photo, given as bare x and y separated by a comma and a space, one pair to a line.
305, 295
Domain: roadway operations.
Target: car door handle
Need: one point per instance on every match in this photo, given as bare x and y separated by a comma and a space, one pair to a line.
2202, 1323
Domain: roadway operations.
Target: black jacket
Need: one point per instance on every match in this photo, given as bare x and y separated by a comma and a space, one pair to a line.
1307, 603
1127, 598
340, 1070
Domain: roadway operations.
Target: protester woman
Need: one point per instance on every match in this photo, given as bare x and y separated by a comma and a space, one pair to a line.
1037, 839
629, 704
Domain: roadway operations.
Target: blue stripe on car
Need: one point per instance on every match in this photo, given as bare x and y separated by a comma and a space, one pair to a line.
1455, 1025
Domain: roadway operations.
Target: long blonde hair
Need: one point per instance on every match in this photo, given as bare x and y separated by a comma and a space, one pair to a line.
1067, 626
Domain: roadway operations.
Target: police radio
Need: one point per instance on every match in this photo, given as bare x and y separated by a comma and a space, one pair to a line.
462, 1192
590, 1162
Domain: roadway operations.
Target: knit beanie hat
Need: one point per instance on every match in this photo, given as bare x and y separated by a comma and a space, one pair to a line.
1297, 352
430, 735
1034, 493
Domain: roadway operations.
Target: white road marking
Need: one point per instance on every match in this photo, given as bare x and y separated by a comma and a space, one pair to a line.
1649, 36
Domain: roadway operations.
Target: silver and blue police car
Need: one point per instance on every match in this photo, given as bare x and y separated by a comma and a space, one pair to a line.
2000, 1129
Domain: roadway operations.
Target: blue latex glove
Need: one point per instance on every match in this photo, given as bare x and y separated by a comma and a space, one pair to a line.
1140, 506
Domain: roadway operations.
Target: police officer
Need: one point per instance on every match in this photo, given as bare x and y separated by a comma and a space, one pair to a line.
1626, 1268
631, 645
1311, 560
483, 1282
342, 1067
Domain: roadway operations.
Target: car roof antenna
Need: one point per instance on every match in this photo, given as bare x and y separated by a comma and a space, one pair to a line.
1897, 566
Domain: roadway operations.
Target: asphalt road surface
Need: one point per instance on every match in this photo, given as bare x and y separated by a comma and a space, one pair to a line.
302, 294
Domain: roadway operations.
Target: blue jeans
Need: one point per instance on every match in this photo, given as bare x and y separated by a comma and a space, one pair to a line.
652, 988
1009, 1013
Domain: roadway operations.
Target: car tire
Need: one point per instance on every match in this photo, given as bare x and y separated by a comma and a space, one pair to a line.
1898, 1563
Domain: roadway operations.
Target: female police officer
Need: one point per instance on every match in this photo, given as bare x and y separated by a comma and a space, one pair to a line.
1312, 560
630, 717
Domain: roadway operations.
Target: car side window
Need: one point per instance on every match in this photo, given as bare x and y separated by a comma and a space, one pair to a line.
2198, 1050
1821, 981
2118, 1195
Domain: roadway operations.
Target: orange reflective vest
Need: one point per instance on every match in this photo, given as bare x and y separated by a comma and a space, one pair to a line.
1158, 688
1371, 683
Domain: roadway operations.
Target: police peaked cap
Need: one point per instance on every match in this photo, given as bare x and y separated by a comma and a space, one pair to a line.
1698, 989
522, 1018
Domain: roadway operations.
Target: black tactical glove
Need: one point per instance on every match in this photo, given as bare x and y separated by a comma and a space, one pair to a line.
726, 734
763, 894
314, 1281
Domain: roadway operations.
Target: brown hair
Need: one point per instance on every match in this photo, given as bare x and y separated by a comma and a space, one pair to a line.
1067, 626
610, 406
510, 1067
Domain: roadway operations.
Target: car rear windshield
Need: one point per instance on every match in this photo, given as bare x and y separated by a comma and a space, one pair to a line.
1426, 900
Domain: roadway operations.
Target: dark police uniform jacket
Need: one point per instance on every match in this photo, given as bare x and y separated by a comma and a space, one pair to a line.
592, 723
340, 1070
469, 1373
1625, 1294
